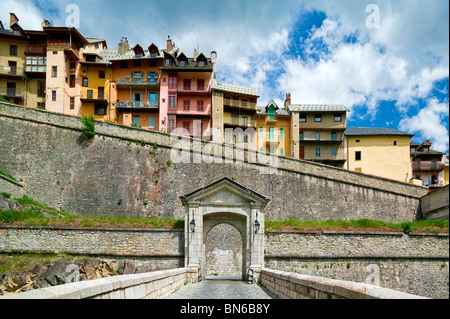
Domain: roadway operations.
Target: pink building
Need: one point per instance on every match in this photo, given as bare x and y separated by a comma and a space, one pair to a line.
185, 92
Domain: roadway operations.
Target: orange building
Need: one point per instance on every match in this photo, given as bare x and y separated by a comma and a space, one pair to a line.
136, 82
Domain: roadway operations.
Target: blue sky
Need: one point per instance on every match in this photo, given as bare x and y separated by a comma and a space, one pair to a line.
394, 76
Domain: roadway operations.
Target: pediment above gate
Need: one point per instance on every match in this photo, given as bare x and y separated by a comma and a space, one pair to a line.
224, 192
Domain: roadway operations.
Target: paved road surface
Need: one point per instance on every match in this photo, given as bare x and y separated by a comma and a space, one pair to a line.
222, 289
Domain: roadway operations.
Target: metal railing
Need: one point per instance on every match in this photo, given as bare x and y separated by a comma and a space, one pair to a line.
137, 81
11, 92
136, 104
238, 122
94, 95
193, 89
11, 70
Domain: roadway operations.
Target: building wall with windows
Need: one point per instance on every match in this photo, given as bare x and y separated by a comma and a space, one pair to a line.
12, 59
386, 156
274, 134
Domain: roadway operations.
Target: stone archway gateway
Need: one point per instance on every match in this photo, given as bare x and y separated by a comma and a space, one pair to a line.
224, 202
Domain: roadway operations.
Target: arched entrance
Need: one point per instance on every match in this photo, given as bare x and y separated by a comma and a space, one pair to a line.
223, 202
224, 253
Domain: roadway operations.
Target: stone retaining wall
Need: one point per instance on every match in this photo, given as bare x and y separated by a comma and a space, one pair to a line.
435, 205
415, 264
155, 285
294, 286
163, 247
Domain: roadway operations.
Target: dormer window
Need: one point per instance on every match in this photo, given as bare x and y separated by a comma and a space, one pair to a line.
138, 55
201, 64
183, 63
167, 61
426, 150
153, 55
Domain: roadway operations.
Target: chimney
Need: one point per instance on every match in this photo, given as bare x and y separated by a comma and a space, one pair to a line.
12, 19
213, 61
45, 24
195, 54
169, 44
288, 100
124, 46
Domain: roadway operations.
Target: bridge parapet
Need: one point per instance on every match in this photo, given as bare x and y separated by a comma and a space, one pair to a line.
154, 285
295, 286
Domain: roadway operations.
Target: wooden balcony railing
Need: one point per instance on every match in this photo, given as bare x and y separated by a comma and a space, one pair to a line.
428, 167
34, 49
240, 104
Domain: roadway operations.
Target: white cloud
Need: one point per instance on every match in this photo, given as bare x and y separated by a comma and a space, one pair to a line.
30, 17
430, 124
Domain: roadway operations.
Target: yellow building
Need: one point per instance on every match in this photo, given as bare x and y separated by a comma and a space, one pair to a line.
95, 78
381, 152
445, 162
234, 110
274, 130
318, 133
12, 59
36, 69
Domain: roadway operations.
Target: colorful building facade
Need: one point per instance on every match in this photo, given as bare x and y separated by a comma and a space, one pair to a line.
381, 152
427, 165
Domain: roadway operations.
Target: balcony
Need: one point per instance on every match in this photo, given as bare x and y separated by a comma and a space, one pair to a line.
237, 122
323, 141
433, 184
241, 104
136, 105
136, 82
34, 49
11, 72
191, 111
428, 167
94, 97
193, 90
11, 92
326, 159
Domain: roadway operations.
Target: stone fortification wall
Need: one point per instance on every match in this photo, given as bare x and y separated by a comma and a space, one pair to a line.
115, 174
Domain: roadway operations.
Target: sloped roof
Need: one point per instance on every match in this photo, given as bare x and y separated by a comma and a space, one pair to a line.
362, 131
233, 88
227, 181
263, 110
318, 108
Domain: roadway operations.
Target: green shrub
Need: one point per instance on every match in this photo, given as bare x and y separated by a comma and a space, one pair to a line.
10, 216
88, 126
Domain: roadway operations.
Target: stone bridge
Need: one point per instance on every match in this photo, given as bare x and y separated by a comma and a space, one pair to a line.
174, 284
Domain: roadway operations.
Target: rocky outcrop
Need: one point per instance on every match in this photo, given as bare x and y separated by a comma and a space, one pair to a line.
66, 270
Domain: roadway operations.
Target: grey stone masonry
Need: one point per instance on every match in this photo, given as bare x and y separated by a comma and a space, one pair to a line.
294, 286
154, 285
11, 187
